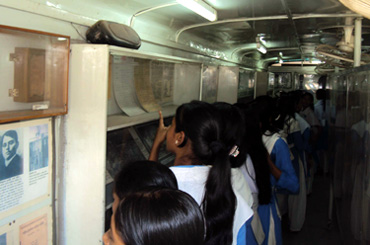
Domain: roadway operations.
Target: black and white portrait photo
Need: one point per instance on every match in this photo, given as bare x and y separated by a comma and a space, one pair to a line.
39, 157
11, 161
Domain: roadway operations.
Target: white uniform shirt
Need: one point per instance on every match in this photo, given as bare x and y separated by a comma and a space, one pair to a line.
191, 179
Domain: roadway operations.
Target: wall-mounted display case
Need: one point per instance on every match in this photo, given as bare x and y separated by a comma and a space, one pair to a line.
34, 68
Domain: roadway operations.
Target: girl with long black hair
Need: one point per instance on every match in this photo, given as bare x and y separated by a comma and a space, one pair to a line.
203, 169
156, 215
294, 205
283, 177
138, 175
256, 167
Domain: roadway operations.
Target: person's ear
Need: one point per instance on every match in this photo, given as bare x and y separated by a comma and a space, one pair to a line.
179, 137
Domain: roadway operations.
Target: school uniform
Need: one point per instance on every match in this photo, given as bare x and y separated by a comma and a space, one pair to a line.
287, 183
305, 147
305, 127
305, 132
191, 179
268, 212
319, 112
280, 156
309, 115
295, 205
250, 176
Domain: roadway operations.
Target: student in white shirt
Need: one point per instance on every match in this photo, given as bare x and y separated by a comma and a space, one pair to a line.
203, 169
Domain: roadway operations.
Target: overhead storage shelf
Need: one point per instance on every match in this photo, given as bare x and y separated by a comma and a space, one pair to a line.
158, 81
114, 50
121, 121
173, 81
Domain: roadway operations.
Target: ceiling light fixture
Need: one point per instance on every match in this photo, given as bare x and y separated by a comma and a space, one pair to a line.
201, 8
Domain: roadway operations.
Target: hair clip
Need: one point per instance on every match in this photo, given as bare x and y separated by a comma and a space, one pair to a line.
234, 151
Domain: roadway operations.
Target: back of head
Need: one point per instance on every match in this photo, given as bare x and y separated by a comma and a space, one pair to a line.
320, 94
268, 113
141, 174
254, 147
286, 104
233, 127
159, 216
252, 130
202, 124
296, 96
307, 100
322, 80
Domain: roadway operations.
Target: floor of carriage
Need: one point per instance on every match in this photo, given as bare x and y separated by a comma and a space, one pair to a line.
318, 228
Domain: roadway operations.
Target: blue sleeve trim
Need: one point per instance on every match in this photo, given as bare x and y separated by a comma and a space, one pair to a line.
245, 234
288, 179
186, 166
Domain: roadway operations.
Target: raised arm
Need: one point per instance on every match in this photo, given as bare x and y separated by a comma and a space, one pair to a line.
160, 137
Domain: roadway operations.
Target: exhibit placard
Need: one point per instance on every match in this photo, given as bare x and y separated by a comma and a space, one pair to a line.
25, 165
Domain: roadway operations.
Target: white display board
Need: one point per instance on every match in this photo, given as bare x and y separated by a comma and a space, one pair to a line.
26, 161
187, 83
228, 79
209, 84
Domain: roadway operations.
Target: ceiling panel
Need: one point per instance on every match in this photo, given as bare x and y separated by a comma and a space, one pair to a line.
296, 36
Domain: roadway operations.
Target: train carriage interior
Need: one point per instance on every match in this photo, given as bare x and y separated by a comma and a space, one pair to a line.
240, 50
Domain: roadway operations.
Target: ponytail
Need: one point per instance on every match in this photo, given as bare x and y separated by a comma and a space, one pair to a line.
219, 201
202, 124
254, 147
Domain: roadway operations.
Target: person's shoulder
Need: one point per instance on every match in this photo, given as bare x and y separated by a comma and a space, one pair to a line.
17, 158
280, 144
192, 170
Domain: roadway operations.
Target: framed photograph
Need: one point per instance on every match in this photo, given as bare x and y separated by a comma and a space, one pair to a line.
25, 164
34, 74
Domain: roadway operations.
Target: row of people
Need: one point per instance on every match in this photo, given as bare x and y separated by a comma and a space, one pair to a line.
305, 127
205, 140
231, 160
202, 146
